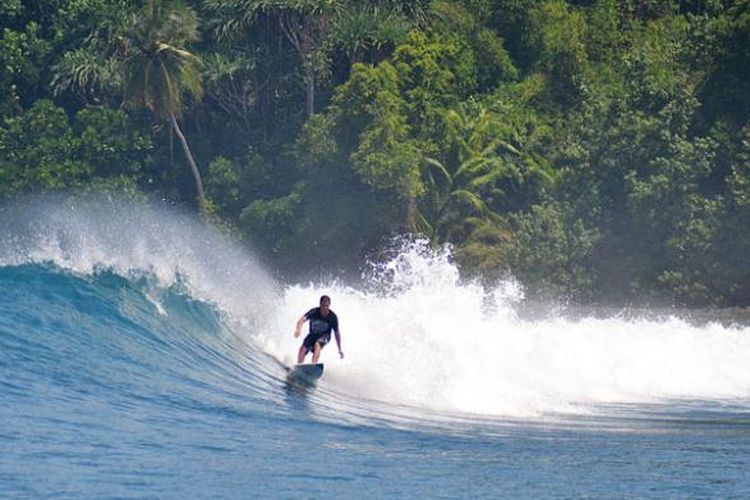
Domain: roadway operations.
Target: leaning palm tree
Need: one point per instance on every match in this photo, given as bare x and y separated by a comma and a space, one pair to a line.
158, 69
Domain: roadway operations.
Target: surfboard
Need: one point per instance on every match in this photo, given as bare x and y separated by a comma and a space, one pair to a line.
306, 373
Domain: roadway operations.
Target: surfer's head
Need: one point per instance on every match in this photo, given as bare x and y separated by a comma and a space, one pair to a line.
325, 304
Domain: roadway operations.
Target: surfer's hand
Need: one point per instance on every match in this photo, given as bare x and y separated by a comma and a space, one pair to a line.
296, 333
341, 353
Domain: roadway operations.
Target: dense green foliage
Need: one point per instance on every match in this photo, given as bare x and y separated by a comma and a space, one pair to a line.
598, 150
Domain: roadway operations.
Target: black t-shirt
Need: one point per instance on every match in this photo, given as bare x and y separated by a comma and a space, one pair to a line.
319, 325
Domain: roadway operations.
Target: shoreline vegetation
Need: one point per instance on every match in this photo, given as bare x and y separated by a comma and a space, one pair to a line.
597, 150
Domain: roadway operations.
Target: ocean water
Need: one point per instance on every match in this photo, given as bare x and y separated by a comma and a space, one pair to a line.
143, 355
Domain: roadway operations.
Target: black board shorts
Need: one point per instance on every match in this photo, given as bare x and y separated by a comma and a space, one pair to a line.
312, 338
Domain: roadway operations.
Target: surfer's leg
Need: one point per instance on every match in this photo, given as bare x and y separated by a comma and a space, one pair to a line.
316, 352
301, 354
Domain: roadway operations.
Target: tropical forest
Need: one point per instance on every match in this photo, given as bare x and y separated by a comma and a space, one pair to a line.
597, 151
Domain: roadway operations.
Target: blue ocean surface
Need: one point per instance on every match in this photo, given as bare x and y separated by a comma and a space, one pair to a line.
133, 364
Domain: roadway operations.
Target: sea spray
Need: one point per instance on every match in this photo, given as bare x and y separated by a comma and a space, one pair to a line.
419, 336
137, 241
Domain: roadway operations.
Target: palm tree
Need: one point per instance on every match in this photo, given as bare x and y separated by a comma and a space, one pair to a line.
369, 28
314, 28
158, 69
306, 24
487, 152
460, 184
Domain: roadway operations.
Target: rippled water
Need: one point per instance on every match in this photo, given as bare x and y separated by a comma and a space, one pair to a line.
142, 355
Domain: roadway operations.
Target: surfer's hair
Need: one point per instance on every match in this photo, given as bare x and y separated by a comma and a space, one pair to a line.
325, 298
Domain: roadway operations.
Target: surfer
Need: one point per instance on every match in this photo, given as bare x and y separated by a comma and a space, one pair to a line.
322, 321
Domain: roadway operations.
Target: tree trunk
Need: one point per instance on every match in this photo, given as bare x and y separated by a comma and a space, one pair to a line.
171, 147
301, 36
193, 168
310, 94
410, 215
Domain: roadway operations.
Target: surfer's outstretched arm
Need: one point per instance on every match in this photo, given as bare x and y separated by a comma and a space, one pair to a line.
298, 328
337, 334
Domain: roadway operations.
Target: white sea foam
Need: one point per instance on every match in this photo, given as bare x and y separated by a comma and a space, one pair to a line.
435, 343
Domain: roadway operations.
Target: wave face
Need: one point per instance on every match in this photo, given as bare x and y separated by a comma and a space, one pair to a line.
139, 346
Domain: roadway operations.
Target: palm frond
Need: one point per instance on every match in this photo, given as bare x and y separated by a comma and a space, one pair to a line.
438, 167
471, 199
423, 225
486, 179
158, 66
540, 168
85, 71
499, 144
474, 166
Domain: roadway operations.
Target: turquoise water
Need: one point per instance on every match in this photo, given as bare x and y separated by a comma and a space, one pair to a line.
132, 365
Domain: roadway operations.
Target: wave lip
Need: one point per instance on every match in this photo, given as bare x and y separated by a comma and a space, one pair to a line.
134, 240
